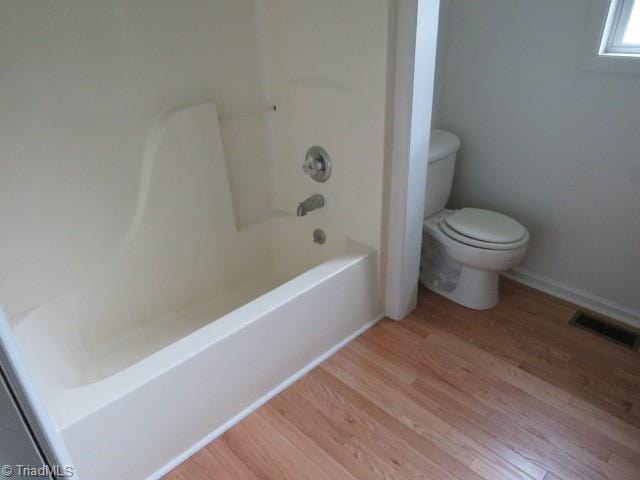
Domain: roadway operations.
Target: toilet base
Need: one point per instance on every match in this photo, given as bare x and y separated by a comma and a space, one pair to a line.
476, 289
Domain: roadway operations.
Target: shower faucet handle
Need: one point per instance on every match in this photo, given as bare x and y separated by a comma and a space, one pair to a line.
317, 164
311, 166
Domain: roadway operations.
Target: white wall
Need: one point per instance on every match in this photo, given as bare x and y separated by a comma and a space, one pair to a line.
441, 58
328, 72
82, 84
417, 30
548, 142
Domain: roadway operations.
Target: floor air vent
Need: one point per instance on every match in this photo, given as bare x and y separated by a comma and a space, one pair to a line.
606, 330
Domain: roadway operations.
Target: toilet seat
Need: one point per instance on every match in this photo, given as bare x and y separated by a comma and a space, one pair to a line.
484, 229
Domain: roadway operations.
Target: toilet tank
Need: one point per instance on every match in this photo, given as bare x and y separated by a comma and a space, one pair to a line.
442, 164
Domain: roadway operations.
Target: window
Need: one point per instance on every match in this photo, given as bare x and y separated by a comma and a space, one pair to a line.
622, 31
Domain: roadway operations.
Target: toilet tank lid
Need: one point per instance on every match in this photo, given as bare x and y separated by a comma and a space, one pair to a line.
442, 144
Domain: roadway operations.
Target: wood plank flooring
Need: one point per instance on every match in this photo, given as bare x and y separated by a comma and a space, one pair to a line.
449, 393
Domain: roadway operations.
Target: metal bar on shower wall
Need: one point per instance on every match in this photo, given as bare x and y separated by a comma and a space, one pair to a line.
267, 109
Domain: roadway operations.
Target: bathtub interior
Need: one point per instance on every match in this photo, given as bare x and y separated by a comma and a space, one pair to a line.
183, 264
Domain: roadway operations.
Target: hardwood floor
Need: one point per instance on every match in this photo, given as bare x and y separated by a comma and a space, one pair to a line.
449, 393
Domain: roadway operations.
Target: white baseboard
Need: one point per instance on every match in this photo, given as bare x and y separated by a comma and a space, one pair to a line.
579, 297
258, 403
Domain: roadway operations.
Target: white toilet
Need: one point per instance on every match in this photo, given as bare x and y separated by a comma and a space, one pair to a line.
464, 251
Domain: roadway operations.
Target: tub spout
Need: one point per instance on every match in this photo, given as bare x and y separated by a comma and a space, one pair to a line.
312, 203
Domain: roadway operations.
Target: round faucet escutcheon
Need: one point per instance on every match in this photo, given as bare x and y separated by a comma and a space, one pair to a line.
317, 164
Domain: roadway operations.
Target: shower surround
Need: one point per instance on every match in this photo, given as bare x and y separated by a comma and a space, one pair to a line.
155, 280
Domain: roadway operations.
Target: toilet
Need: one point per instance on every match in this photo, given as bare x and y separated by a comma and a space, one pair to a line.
464, 251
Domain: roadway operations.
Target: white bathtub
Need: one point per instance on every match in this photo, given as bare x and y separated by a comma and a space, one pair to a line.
140, 421
195, 321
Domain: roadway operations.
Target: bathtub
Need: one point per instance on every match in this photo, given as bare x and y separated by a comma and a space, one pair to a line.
141, 415
195, 321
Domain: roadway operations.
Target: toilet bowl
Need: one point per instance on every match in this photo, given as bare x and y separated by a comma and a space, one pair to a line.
466, 269
464, 251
